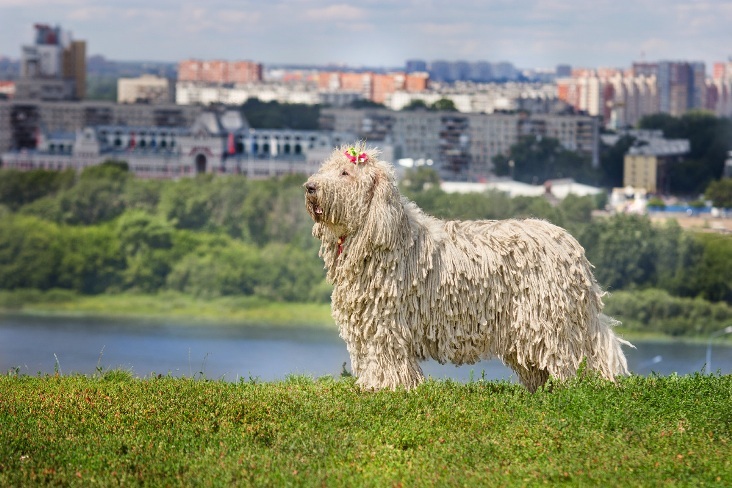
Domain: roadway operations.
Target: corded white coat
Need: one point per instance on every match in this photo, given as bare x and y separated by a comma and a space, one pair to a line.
408, 286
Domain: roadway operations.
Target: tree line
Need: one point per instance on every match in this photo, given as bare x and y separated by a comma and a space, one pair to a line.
105, 231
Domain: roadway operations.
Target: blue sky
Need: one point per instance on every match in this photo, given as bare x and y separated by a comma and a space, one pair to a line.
531, 33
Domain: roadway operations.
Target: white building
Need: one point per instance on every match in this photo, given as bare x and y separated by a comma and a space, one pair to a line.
145, 89
218, 142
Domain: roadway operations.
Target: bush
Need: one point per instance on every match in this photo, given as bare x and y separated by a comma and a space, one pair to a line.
655, 310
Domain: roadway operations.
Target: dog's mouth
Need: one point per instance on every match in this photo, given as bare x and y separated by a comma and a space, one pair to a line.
316, 211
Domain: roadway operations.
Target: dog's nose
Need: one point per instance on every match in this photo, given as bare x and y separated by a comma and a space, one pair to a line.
310, 187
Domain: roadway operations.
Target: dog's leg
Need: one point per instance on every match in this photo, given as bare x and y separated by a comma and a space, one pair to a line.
390, 369
531, 377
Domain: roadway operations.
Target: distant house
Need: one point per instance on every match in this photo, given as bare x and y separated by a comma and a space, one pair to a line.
646, 165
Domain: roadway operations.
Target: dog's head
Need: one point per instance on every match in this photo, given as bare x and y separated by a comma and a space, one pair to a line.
354, 191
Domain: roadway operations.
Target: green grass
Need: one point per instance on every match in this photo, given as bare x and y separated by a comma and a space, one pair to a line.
111, 429
238, 309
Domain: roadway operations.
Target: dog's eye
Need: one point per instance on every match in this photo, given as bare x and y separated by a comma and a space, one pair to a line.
344, 173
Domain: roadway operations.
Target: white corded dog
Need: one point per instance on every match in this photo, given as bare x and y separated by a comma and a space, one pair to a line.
408, 286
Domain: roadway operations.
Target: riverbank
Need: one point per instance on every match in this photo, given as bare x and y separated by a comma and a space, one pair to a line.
167, 305
235, 310
112, 430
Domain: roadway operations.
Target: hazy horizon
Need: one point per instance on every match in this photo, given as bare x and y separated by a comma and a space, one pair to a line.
377, 33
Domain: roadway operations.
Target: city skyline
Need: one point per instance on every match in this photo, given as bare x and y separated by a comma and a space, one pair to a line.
529, 34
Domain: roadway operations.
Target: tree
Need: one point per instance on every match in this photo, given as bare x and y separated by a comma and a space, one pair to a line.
92, 201
144, 194
91, 262
445, 105
365, 103
612, 159
711, 277
537, 159
30, 252
188, 203
419, 179
98, 196
678, 254
19, 188
145, 244
228, 268
275, 115
622, 249
720, 193
415, 105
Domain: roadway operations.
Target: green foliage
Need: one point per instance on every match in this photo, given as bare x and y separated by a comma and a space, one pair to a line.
576, 209
18, 188
678, 254
623, 251
101, 87
291, 274
537, 159
444, 105
97, 197
655, 310
229, 236
30, 253
612, 160
145, 242
188, 203
275, 115
712, 277
114, 430
656, 202
91, 261
229, 269
720, 193
415, 105
365, 103
419, 179
144, 195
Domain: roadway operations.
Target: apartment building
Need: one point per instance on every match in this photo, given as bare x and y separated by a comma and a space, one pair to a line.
622, 98
372, 86
219, 71
461, 145
646, 166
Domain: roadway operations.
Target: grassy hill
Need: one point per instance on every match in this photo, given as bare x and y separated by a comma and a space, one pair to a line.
111, 429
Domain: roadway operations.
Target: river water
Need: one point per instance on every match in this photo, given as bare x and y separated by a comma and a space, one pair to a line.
83, 345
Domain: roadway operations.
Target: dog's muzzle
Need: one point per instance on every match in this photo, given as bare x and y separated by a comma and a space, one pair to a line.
316, 211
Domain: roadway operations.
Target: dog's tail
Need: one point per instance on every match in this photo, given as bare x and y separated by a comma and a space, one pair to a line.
608, 355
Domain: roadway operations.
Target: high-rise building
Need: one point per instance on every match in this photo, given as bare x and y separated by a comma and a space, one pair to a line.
719, 90
563, 71
415, 65
681, 86
53, 68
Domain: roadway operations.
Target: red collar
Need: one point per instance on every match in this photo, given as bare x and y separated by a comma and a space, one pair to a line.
341, 241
